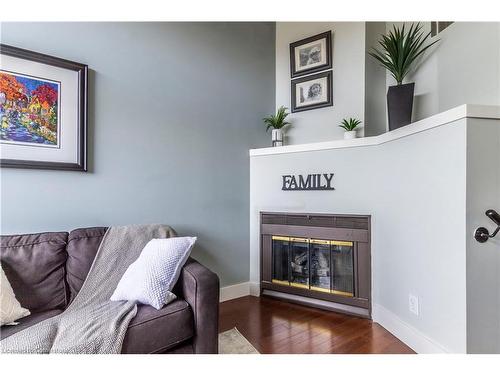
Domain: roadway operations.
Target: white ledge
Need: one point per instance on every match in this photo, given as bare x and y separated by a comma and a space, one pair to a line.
443, 118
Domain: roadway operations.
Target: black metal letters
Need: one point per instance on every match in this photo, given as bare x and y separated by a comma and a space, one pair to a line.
316, 181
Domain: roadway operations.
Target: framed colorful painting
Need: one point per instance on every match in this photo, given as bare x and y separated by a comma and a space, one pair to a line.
43, 111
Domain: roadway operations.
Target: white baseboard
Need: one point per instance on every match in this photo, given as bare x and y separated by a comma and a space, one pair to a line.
405, 332
254, 289
239, 290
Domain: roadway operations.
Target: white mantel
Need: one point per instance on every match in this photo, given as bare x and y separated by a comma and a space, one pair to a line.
426, 186
443, 118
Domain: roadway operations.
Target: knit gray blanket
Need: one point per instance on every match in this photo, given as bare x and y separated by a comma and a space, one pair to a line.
92, 323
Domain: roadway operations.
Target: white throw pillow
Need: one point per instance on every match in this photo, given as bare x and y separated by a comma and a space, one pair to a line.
150, 279
10, 308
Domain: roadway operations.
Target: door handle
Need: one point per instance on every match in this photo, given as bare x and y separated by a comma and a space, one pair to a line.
482, 234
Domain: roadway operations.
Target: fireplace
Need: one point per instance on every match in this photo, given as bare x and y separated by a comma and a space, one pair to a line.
317, 259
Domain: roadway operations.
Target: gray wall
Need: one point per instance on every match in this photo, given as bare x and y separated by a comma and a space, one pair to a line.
483, 259
174, 108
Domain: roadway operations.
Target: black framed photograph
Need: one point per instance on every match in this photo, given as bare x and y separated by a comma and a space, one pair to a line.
43, 111
311, 55
311, 92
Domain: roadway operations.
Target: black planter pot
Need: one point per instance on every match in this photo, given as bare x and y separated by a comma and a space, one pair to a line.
400, 105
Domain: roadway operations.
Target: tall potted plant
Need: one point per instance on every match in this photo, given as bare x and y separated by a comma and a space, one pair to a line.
277, 122
399, 50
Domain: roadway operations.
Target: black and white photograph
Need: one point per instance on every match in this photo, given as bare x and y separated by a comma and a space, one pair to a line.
312, 92
311, 55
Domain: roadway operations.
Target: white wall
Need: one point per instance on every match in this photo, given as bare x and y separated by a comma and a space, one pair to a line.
483, 259
348, 39
415, 190
375, 83
463, 67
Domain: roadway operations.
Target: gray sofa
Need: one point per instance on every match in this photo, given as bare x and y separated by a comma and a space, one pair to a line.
47, 270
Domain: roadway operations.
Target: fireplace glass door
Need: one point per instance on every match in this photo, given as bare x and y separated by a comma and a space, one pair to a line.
299, 262
281, 262
320, 265
342, 268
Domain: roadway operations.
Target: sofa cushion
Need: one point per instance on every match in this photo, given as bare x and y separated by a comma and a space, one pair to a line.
151, 278
35, 267
6, 331
10, 308
82, 248
154, 331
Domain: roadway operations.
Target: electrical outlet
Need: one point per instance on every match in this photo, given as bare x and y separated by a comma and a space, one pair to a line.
413, 304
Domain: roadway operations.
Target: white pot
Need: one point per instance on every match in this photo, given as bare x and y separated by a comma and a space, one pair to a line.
350, 135
277, 137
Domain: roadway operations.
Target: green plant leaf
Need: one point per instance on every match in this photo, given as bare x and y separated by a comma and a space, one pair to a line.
400, 48
277, 121
349, 125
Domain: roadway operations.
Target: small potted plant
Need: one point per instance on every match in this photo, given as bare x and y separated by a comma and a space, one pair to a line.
400, 48
277, 123
350, 127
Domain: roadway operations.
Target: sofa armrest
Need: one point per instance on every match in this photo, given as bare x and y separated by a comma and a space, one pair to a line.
200, 289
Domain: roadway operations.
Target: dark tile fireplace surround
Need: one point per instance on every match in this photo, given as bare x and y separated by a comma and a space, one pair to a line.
319, 260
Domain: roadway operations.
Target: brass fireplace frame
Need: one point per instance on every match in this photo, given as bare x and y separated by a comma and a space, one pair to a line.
331, 228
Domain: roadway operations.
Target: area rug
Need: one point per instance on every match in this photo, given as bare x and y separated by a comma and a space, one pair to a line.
233, 342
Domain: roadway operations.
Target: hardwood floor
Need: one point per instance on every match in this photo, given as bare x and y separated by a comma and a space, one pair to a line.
279, 327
